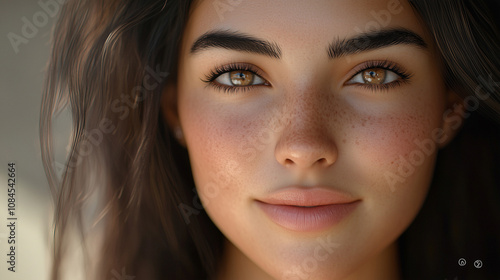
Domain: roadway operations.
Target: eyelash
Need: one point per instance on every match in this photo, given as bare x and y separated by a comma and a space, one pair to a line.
219, 70
404, 75
386, 65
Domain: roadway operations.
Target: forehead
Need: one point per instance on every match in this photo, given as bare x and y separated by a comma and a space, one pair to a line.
299, 23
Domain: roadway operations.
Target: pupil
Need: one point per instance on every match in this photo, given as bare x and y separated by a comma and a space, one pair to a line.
241, 78
374, 76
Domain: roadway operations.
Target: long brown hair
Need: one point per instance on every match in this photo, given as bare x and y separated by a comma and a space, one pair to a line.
128, 180
460, 218
110, 62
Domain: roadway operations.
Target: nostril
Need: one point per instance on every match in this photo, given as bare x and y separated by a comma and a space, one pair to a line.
322, 161
299, 147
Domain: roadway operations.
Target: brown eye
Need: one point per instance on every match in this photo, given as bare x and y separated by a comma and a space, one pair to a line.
374, 76
241, 78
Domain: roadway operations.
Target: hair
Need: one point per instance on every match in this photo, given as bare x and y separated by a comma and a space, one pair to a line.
460, 217
127, 177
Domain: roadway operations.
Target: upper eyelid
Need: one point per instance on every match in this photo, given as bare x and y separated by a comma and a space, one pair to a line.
236, 66
218, 71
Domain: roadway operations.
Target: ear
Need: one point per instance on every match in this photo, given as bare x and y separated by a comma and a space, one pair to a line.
453, 119
170, 113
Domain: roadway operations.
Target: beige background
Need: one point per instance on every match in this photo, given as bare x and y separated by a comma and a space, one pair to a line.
21, 80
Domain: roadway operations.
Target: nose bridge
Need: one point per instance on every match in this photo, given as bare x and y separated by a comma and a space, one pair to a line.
307, 110
305, 139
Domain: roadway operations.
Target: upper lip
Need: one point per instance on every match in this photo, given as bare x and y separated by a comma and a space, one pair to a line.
308, 196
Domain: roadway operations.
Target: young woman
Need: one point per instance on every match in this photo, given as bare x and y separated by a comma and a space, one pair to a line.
278, 139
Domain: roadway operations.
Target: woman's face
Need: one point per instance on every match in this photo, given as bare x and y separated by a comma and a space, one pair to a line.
312, 129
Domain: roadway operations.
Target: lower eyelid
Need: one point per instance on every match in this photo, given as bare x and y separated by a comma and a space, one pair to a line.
230, 89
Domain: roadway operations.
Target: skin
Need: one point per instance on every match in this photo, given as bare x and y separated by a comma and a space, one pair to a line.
308, 127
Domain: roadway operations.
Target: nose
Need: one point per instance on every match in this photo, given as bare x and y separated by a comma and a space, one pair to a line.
306, 141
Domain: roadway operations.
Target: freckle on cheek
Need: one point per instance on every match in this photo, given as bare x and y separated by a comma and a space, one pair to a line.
394, 135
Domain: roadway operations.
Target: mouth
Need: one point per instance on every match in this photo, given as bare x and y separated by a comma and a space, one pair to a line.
307, 209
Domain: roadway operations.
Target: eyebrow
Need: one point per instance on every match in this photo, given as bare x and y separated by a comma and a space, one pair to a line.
236, 41
375, 40
360, 43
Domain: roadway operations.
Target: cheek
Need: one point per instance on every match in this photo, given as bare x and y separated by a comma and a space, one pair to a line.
388, 139
391, 164
387, 157
400, 140
214, 139
391, 154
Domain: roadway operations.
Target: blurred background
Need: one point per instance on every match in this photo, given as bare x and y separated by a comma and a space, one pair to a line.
25, 27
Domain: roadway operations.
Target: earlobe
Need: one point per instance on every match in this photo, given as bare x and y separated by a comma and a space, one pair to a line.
170, 113
453, 118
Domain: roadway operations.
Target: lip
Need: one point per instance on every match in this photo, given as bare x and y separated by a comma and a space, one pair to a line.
307, 209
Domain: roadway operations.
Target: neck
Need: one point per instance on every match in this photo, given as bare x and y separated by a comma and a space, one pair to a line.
236, 265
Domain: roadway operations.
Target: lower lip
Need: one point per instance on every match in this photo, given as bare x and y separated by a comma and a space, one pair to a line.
307, 219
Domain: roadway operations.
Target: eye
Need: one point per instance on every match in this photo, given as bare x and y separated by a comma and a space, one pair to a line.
379, 75
239, 78
235, 77
374, 76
